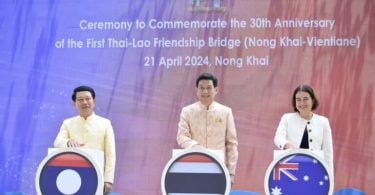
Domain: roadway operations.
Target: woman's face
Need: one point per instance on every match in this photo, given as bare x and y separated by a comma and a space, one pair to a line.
304, 102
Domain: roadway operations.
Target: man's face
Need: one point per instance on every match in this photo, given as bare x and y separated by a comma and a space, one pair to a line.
84, 103
206, 92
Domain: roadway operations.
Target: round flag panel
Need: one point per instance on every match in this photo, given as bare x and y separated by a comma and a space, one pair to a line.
195, 173
298, 173
68, 173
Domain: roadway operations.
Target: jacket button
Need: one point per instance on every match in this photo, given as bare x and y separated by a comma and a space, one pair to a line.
310, 140
310, 130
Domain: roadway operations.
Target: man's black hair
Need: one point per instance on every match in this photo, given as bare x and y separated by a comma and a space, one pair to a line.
207, 76
82, 88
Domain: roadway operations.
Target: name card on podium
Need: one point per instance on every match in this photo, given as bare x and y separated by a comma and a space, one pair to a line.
196, 171
71, 171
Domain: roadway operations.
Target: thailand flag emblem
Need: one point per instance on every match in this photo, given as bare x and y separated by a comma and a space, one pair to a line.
195, 173
67, 173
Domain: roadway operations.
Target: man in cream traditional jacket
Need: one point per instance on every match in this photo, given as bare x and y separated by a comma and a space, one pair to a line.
88, 130
209, 124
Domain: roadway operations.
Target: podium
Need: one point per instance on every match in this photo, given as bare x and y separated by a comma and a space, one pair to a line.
298, 171
196, 171
71, 171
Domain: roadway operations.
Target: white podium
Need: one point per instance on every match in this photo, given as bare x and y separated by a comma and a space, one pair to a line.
71, 171
196, 171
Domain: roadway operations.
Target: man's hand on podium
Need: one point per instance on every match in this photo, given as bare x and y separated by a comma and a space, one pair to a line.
232, 179
74, 143
107, 188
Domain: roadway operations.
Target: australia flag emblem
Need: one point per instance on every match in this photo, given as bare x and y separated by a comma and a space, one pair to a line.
297, 174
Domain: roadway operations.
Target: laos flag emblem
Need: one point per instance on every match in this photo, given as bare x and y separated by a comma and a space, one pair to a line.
68, 173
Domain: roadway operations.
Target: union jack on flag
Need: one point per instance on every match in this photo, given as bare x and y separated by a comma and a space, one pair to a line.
298, 174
